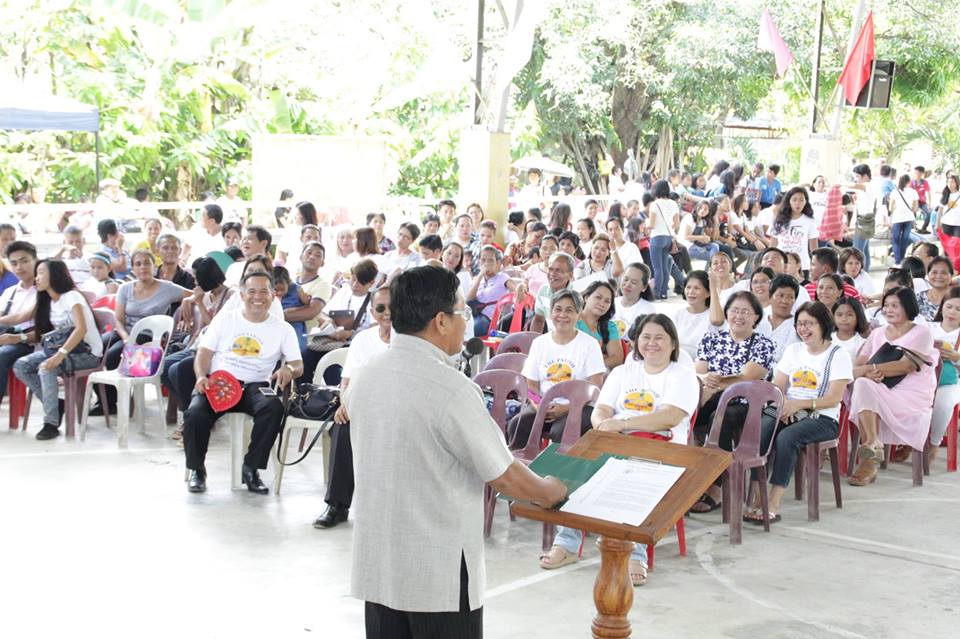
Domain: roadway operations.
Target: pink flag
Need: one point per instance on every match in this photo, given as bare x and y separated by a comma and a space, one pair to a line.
770, 40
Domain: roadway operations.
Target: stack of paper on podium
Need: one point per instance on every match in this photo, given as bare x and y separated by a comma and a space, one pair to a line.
611, 488
624, 491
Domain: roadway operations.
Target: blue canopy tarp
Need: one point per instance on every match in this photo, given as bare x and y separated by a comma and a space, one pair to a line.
37, 113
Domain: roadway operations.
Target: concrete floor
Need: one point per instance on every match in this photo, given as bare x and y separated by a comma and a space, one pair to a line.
97, 541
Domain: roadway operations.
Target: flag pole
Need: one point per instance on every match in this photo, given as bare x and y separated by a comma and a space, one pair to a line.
815, 74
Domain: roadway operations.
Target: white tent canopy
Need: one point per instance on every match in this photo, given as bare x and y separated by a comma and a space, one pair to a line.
51, 112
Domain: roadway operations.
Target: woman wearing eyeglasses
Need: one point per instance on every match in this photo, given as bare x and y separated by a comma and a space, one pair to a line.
366, 345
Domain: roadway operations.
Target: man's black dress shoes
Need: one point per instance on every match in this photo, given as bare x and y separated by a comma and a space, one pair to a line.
197, 483
251, 478
333, 515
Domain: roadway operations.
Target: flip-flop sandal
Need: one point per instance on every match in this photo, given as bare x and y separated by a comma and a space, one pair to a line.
868, 452
773, 518
557, 557
753, 515
711, 504
638, 573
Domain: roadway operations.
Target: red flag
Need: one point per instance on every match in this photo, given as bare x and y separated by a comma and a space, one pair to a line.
770, 40
856, 70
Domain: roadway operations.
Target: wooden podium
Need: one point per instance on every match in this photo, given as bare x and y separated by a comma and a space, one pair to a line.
613, 590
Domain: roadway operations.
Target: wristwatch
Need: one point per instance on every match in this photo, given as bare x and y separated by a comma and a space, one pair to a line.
63, 351
290, 368
23, 338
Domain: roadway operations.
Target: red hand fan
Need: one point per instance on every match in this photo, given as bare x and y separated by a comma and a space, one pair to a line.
223, 391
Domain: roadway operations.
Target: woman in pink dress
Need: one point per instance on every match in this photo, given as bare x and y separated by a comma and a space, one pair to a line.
898, 415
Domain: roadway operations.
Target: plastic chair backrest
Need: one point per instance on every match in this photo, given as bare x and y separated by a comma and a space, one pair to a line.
336, 357
579, 393
106, 320
107, 301
758, 394
502, 383
90, 297
195, 325
160, 327
518, 342
527, 303
507, 361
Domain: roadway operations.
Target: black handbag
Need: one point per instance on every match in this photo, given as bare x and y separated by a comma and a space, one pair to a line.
52, 342
891, 353
313, 403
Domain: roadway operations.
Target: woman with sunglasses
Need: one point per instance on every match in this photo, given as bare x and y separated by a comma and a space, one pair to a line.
366, 345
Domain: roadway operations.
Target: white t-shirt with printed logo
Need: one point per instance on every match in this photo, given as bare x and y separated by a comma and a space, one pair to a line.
805, 373
550, 363
624, 316
633, 392
249, 351
795, 238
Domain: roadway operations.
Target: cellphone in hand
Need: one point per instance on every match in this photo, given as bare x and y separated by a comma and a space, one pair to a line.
267, 391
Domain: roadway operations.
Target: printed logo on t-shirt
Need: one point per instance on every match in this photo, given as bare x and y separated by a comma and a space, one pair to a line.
804, 378
621, 325
641, 401
246, 346
559, 371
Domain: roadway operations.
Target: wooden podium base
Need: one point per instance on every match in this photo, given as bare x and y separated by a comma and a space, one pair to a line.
613, 590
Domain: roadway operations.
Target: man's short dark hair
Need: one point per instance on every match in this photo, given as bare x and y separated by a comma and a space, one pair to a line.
431, 242
774, 249
166, 237
141, 194
214, 212
774, 168
106, 228
827, 257
449, 203
418, 294
536, 227
243, 280
310, 245
785, 281
6, 226
263, 235
365, 271
920, 168
885, 170
20, 245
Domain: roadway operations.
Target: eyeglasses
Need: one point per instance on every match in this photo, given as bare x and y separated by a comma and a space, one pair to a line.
462, 312
810, 324
742, 312
379, 308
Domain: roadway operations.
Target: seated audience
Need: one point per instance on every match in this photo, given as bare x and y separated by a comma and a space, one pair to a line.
403, 256
17, 306
899, 414
946, 339
112, 244
778, 323
72, 254
596, 320
852, 327
60, 308
101, 282
364, 347
208, 235
232, 234
153, 226
451, 259
813, 376
823, 261
256, 241
851, 263
298, 306
830, 288
561, 355
486, 289
268, 341
599, 266
693, 320
535, 271
636, 297
168, 247
939, 277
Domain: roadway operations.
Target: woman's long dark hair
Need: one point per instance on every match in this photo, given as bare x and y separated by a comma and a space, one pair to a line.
603, 322
945, 197
281, 211
782, 221
60, 282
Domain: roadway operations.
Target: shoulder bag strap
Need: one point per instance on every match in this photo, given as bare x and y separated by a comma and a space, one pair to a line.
363, 310
826, 372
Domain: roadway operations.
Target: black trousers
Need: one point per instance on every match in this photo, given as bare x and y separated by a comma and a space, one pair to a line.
267, 412
340, 471
387, 623
518, 429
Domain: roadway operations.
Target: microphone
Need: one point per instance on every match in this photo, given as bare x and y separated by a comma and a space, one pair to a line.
473, 346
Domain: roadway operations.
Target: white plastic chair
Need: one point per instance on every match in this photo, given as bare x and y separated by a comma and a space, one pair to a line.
336, 357
160, 327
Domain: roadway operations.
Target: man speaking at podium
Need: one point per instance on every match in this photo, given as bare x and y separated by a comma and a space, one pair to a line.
423, 446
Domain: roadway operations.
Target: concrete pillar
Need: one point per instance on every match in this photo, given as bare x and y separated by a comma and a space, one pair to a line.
485, 174
820, 156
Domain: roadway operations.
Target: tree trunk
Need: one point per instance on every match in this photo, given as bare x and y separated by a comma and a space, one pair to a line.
628, 108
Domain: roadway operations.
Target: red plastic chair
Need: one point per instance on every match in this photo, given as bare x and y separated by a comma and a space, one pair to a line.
17, 392
747, 453
579, 393
517, 342
506, 361
107, 301
74, 385
502, 383
516, 322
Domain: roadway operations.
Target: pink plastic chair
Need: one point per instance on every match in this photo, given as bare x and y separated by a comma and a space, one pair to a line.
747, 453
517, 342
951, 438
506, 361
579, 393
808, 463
502, 383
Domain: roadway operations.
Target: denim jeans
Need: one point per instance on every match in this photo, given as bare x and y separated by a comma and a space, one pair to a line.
900, 239
569, 539
790, 440
44, 383
864, 246
703, 252
660, 256
925, 209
